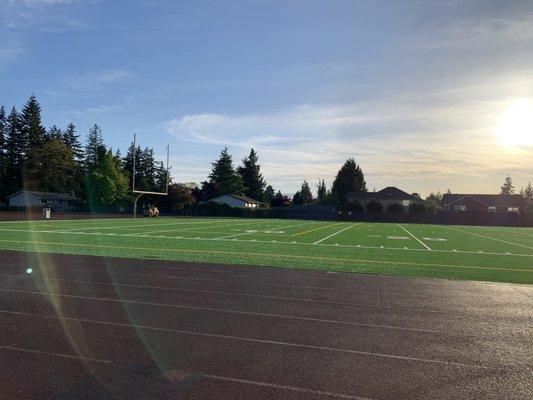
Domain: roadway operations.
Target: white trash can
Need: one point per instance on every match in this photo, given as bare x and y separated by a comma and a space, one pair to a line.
47, 213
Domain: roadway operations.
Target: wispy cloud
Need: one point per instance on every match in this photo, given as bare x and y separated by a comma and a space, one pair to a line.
96, 80
395, 139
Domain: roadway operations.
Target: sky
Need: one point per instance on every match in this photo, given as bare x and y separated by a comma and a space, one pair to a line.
422, 93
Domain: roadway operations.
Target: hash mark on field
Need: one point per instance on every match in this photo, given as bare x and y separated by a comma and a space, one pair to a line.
336, 233
414, 237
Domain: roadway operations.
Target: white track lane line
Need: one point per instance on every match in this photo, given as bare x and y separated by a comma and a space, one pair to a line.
208, 376
282, 298
237, 312
50, 354
336, 233
262, 341
489, 237
284, 387
414, 237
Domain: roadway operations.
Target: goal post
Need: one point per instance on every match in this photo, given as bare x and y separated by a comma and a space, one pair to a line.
138, 193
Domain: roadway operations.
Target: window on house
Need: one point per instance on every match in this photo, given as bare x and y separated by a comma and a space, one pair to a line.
405, 203
492, 209
460, 207
513, 210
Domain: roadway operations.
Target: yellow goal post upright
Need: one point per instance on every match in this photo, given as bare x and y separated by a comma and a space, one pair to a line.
138, 193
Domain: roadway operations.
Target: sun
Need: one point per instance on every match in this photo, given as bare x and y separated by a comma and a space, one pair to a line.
516, 124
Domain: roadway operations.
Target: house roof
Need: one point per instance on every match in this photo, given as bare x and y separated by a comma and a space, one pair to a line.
494, 200
388, 193
246, 199
46, 195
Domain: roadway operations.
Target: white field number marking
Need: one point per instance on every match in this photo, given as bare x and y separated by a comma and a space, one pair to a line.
435, 239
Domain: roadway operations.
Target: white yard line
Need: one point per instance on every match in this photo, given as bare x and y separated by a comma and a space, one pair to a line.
316, 229
267, 241
414, 237
336, 233
489, 237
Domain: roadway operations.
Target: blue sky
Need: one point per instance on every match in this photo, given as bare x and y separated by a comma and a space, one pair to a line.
414, 90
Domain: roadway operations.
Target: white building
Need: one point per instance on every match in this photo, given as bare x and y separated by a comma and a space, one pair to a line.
38, 200
235, 200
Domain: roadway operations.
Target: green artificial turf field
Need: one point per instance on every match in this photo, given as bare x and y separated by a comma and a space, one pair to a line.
456, 252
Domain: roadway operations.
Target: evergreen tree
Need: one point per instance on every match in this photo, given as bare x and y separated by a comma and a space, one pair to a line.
3, 129
95, 150
527, 192
58, 171
297, 199
507, 187
279, 200
349, 178
321, 191
305, 192
269, 194
223, 175
53, 133
250, 171
15, 151
72, 141
35, 135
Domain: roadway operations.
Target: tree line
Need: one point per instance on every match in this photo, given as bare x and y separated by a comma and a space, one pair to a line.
55, 160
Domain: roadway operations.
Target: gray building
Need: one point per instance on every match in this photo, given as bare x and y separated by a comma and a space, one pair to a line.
387, 196
235, 200
38, 200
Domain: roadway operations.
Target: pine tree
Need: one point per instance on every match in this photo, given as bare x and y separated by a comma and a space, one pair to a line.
269, 194
3, 129
95, 149
58, 173
297, 199
53, 133
527, 192
507, 187
35, 134
349, 178
250, 171
321, 191
305, 192
279, 200
15, 153
223, 175
72, 141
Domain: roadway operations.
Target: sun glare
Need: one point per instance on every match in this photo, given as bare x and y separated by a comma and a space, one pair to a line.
516, 124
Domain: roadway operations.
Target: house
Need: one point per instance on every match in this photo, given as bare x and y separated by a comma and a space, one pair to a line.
235, 200
387, 196
484, 203
38, 200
